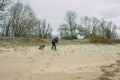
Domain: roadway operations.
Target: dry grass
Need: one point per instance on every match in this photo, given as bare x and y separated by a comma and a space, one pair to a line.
13, 42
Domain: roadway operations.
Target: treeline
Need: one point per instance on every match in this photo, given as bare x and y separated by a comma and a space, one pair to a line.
19, 20
88, 27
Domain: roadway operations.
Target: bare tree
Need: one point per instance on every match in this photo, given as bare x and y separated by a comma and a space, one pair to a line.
108, 29
43, 29
4, 4
89, 25
22, 18
64, 31
92, 25
85, 23
70, 25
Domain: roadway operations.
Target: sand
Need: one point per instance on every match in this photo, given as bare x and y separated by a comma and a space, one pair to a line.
69, 62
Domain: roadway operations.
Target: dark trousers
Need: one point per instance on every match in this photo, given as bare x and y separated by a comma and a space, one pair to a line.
53, 46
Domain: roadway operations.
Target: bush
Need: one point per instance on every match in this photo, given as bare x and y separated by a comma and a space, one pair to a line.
33, 40
99, 39
38, 40
117, 40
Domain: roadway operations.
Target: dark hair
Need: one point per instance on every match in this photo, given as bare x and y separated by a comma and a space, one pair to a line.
57, 37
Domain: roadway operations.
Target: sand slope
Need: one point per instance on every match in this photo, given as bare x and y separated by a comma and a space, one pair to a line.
69, 62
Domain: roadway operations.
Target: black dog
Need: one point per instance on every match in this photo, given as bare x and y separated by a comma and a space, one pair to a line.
41, 47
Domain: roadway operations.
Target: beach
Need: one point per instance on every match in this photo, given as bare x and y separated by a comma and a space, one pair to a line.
69, 62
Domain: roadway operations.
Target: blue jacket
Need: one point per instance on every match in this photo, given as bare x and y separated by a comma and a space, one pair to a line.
55, 40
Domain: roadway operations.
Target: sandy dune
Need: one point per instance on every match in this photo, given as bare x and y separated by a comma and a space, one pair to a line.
69, 62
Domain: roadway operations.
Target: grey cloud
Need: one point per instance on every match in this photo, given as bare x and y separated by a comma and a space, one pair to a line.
114, 1
54, 10
112, 11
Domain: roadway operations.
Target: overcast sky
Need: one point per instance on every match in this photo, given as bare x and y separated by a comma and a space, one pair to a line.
54, 10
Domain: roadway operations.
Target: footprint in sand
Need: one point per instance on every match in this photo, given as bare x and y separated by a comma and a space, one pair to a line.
78, 77
79, 68
30, 57
15, 79
47, 63
65, 67
42, 70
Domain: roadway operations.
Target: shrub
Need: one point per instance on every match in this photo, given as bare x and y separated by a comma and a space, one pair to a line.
99, 39
39, 40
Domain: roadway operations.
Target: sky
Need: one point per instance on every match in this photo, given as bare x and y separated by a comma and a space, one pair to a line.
54, 10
